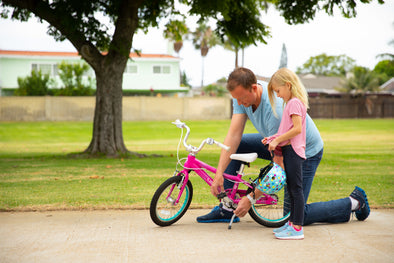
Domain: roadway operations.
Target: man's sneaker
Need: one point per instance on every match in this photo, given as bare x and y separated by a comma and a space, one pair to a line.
218, 214
290, 234
280, 229
363, 210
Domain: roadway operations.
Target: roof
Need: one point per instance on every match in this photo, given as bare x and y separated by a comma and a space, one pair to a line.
388, 85
320, 84
316, 84
72, 54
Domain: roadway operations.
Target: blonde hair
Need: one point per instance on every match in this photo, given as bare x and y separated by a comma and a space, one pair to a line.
283, 76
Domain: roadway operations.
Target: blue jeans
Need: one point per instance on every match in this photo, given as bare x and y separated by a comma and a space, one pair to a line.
335, 211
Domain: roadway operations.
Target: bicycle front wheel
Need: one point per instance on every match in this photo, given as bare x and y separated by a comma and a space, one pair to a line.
163, 211
272, 215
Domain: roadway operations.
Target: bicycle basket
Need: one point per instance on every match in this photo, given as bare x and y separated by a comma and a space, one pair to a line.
271, 179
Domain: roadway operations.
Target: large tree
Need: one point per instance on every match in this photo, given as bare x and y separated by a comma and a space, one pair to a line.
326, 65
107, 50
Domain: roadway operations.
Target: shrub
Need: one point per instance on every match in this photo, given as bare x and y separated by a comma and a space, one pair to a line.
34, 85
72, 78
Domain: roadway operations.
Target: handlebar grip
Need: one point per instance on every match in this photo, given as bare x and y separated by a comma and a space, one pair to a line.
221, 195
178, 123
221, 145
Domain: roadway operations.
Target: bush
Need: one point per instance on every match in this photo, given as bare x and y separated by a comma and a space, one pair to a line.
72, 78
214, 90
34, 85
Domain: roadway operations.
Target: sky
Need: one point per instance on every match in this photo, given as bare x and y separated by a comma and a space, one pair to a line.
361, 38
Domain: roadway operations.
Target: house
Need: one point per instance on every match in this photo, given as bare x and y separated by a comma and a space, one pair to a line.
388, 87
144, 73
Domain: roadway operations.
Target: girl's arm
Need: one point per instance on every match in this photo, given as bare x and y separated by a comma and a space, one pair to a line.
294, 131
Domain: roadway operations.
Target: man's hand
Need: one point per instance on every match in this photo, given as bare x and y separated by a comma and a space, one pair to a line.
243, 207
217, 185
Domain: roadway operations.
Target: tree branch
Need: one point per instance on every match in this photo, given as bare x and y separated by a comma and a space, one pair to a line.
56, 18
125, 27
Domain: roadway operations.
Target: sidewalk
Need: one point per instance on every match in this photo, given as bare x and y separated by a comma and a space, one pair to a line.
131, 236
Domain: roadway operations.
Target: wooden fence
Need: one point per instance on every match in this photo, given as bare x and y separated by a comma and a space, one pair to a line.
352, 107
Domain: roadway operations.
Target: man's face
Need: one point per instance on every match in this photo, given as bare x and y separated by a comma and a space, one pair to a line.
244, 96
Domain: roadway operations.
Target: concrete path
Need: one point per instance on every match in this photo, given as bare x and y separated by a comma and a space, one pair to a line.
131, 236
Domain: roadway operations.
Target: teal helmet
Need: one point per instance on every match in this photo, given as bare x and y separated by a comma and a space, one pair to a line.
272, 178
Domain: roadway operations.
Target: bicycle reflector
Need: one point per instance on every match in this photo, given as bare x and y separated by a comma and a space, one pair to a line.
271, 179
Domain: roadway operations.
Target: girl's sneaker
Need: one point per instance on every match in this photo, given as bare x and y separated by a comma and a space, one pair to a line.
280, 229
290, 234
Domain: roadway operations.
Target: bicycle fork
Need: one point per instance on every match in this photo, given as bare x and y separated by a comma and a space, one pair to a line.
181, 186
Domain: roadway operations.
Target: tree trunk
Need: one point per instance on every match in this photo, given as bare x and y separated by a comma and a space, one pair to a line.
107, 135
177, 46
236, 57
107, 125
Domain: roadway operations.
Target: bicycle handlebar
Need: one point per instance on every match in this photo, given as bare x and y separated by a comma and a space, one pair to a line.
191, 148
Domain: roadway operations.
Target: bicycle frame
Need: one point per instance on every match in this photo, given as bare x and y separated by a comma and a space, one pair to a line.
193, 164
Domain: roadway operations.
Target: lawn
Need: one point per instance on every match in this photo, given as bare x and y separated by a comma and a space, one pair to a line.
39, 172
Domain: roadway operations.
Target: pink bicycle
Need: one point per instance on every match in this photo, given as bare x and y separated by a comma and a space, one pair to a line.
173, 197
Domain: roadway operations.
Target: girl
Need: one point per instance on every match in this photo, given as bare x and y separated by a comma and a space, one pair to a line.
291, 139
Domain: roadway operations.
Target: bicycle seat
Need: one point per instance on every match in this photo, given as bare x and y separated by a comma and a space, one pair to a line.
244, 157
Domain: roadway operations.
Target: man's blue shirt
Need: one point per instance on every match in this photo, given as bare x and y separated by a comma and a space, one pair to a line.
267, 124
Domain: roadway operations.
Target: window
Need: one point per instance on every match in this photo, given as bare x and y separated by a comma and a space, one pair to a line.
50, 69
131, 69
156, 69
166, 69
161, 69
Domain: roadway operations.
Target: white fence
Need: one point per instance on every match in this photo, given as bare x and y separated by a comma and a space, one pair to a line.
134, 108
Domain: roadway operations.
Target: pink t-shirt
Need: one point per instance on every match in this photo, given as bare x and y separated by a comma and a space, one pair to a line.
293, 106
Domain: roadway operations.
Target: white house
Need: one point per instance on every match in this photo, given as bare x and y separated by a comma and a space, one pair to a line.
144, 72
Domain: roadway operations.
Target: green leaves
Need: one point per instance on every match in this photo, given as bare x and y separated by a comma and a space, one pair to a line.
326, 65
72, 78
362, 81
34, 85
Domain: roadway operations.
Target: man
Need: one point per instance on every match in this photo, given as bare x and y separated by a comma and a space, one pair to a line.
250, 100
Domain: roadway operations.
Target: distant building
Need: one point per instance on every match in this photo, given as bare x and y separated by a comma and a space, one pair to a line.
147, 72
283, 57
316, 85
388, 86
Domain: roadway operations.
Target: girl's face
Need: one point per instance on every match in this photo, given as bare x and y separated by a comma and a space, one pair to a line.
282, 91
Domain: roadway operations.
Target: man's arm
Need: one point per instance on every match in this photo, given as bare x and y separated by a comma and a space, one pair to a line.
233, 138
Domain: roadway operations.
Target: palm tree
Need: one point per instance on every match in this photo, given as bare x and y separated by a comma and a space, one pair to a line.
229, 45
175, 31
204, 38
389, 56
362, 80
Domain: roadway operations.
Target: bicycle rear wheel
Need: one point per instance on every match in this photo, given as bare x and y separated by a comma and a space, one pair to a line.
163, 212
272, 215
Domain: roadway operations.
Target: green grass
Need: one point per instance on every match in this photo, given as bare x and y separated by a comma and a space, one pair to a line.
37, 172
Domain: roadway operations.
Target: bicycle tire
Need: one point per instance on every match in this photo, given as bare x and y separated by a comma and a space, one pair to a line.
272, 215
162, 211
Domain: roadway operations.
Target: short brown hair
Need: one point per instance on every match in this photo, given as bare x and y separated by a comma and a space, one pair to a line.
241, 76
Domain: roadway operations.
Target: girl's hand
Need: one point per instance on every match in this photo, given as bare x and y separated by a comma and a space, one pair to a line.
264, 141
272, 146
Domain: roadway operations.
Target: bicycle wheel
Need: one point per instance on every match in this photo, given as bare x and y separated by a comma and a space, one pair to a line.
272, 215
163, 212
